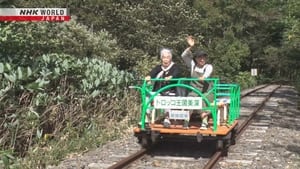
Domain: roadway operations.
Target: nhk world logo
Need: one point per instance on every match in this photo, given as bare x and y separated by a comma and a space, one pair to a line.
35, 14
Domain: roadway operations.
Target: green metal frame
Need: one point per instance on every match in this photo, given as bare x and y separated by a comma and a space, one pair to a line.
218, 90
232, 92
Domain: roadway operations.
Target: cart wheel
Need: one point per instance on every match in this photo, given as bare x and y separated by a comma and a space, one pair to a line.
139, 139
225, 152
227, 143
145, 142
233, 136
232, 140
219, 144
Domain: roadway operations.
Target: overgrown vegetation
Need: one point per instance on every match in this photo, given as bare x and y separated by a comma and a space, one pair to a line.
63, 86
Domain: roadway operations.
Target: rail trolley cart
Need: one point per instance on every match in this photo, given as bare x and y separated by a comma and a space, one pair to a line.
155, 107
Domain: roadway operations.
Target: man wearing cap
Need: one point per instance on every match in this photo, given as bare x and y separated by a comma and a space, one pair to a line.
199, 69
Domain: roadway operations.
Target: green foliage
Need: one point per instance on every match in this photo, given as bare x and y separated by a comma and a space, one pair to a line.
7, 3
6, 158
72, 140
30, 40
291, 40
91, 77
228, 54
58, 77
84, 129
245, 80
148, 26
54, 81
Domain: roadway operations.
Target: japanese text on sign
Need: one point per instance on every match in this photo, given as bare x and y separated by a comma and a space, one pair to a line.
168, 102
179, 114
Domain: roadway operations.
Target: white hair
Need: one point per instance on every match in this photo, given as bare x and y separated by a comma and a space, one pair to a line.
165, 51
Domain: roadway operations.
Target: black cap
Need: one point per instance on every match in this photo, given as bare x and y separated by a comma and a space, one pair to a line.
200, 54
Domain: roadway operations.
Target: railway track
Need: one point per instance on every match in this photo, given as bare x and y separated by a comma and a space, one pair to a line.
255, 129
195, 155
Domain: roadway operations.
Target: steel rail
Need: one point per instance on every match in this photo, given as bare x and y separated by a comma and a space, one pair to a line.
217, 155
126, 161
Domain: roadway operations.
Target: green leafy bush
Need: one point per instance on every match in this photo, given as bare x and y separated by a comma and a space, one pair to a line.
245, 80
55, 91
31, 40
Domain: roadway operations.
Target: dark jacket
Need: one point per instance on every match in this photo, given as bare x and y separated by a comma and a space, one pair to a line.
174, 71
